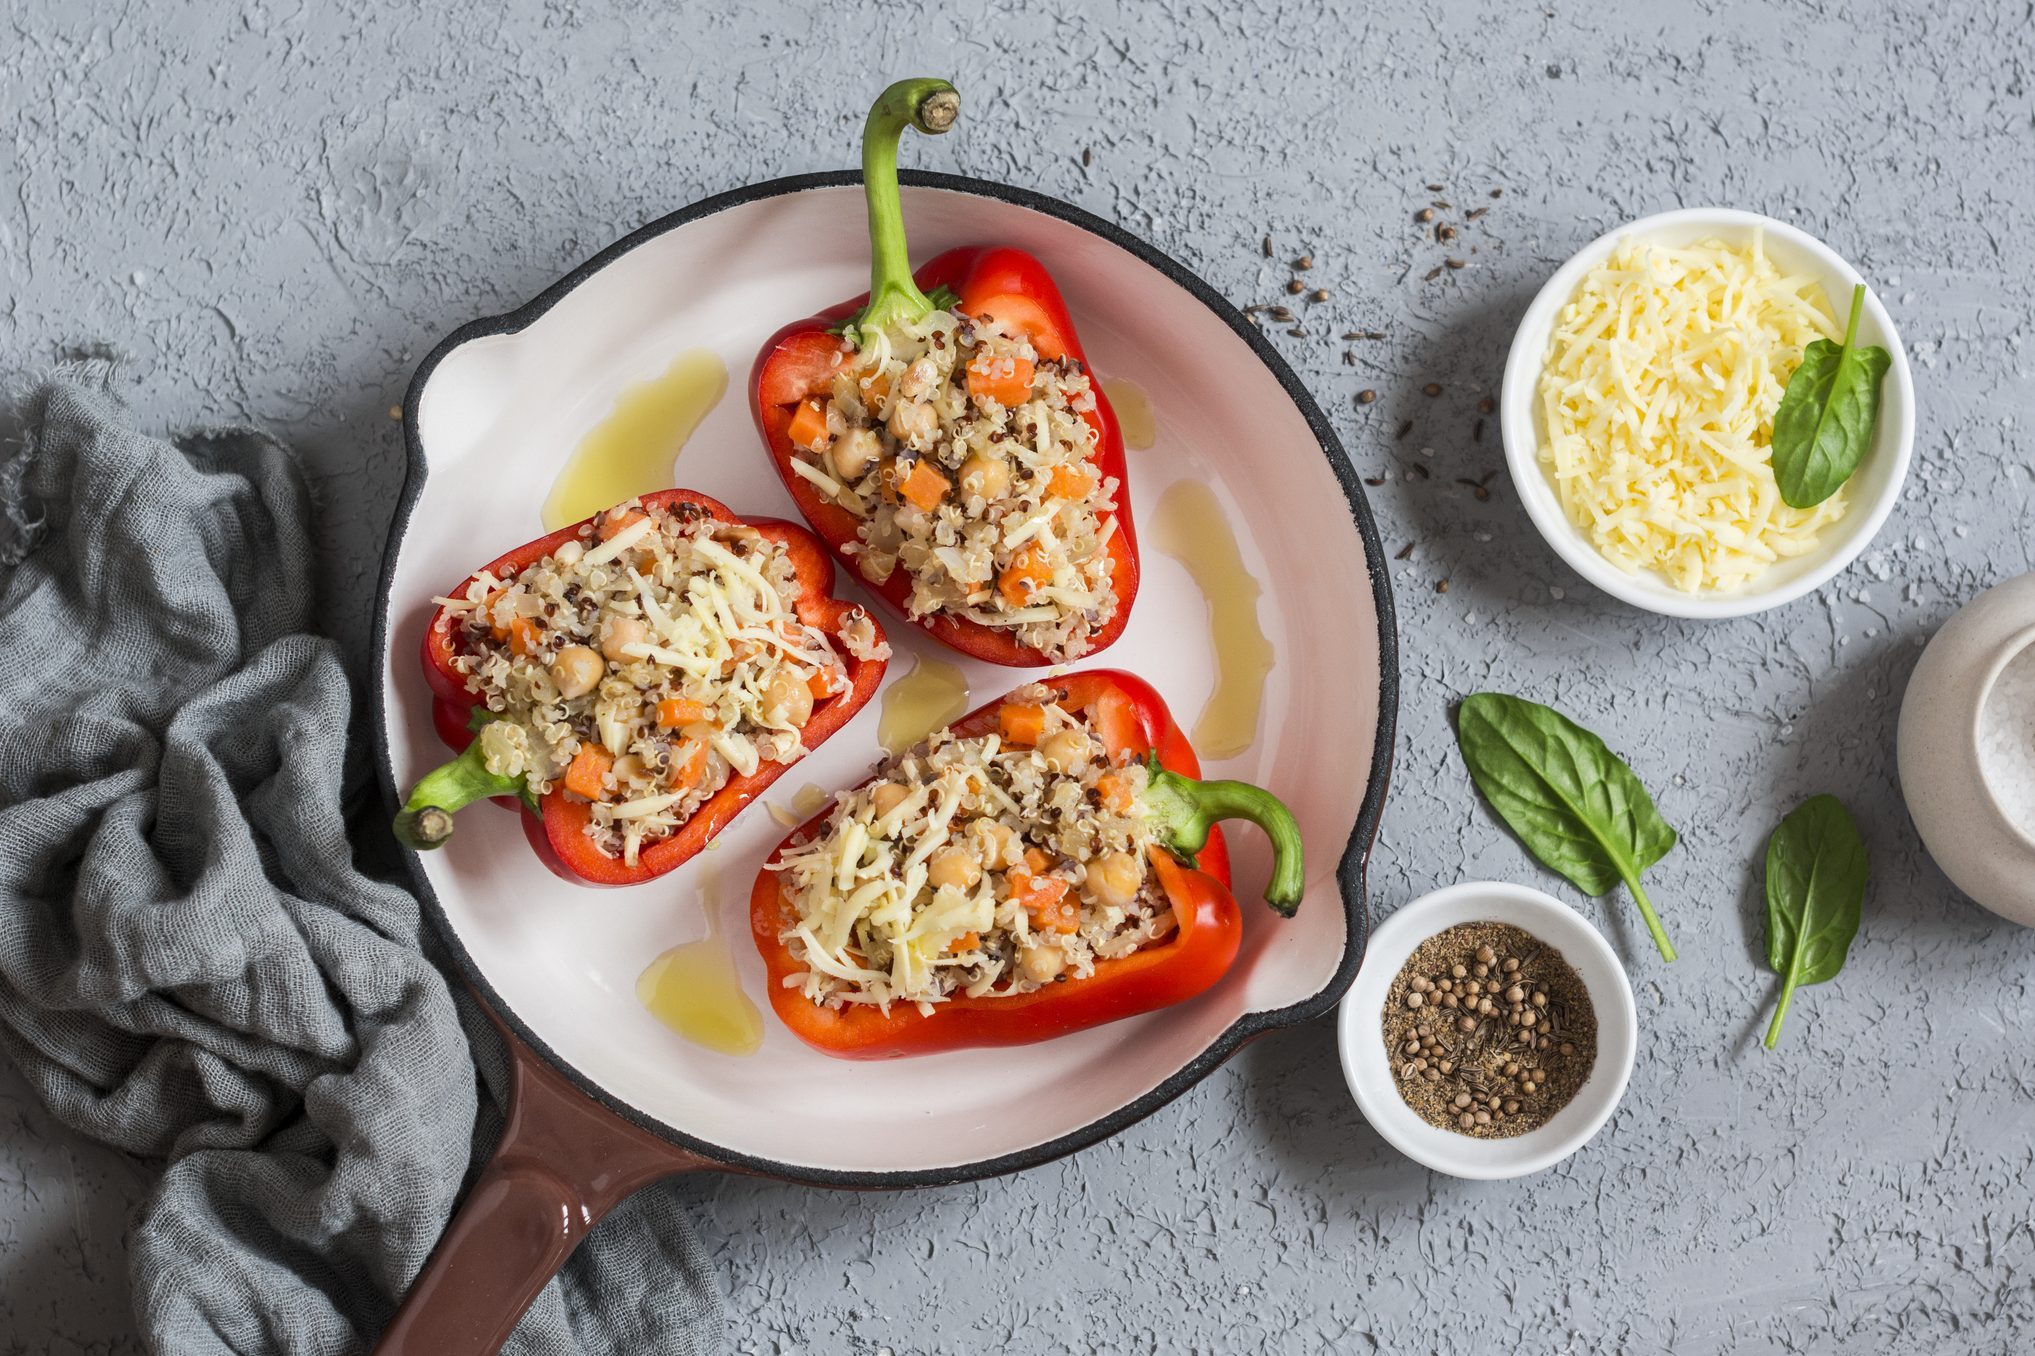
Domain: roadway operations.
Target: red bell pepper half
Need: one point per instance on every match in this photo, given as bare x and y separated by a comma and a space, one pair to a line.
1192, 866
990, 281
556, 823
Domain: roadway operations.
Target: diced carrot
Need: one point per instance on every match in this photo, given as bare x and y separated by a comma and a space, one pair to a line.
690, 773
875, 389
925, 487
1004, 379
487, 610
1045, 898
1113, 717
1021, 724
1027, 573
967, 941
673, 712
588, 769
825, 683
1036, 859
808, 427
1069, 482
1115, 792
612, 527
523, 638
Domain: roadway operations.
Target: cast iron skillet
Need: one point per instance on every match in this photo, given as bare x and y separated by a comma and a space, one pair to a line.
604, 1099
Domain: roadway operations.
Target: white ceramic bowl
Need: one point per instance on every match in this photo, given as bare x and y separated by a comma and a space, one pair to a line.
1873, 489
1368, 1068
1956, 807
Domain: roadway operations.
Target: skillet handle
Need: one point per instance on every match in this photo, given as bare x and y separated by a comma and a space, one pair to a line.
564, 1161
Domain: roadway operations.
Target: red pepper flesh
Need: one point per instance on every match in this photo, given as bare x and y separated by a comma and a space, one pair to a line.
1132, 721
558, 833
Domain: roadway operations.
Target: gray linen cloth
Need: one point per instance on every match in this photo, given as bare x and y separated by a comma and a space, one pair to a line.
192, 965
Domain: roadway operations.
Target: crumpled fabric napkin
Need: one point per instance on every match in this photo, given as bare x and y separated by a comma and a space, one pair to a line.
192, 966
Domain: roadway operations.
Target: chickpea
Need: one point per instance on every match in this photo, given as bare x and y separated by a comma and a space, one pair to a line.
1066, 751
1041, 964
918, 379
855, 453
985, 476
887, 797
914, 422
787, 700
955, 867
569, 553
621, 631
999, 841
1114, 878
577, 671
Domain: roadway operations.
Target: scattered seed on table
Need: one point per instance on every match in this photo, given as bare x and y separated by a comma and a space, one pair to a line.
1366, 396
1321, 294
1404, 429
1087, 157
1434, 188
1404, 551
1297, 332
1445, 232
1279, 312
1349, 358
1424, 215
1457, 263
1431, 390
396, 412
1416, 469
1477, 432
1442, 587
1431, 274
1474, 213
1268, 247
1497, 192
1374, 481
1295, 286
1304, 262
1486, 405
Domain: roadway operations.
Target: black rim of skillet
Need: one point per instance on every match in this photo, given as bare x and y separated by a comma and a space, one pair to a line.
1349, 871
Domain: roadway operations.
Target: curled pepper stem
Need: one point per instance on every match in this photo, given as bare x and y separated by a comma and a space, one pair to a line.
931, 106
425, 821
1183, 810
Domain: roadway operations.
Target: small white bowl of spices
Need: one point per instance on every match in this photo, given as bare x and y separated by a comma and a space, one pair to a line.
1491, 1031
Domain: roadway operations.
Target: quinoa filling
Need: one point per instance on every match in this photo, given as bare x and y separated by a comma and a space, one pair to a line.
967, 459
643, 663
981, 865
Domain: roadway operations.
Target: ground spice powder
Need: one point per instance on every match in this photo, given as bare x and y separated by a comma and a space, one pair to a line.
1489, 1031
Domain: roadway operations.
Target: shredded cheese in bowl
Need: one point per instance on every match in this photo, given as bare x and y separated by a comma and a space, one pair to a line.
1658, 395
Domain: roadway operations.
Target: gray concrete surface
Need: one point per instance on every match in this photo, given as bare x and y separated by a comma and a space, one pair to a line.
270, 210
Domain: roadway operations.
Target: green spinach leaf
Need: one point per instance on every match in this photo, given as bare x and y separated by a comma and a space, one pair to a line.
1825, 424
1574, 803
1815, 889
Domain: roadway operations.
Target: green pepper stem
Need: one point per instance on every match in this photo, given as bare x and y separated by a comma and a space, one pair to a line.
425, 821
931, 106
1184, 810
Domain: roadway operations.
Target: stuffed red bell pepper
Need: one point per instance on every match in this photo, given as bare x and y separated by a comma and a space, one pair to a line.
1046, 864
945, 436
636, 679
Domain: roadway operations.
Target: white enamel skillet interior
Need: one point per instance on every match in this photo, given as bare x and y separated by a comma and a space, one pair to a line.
490, 417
